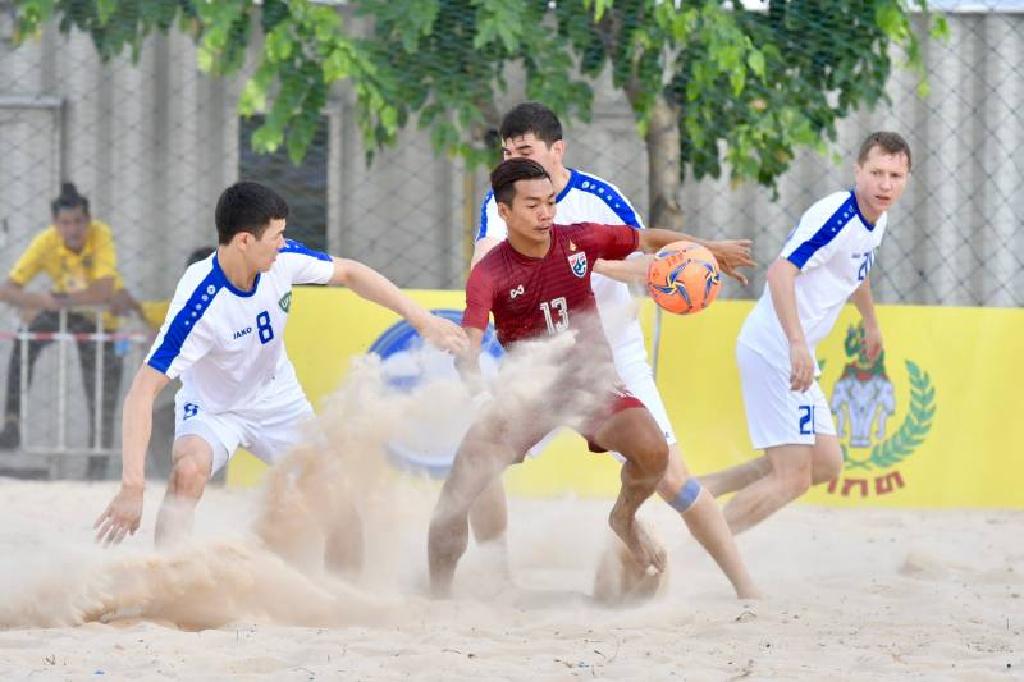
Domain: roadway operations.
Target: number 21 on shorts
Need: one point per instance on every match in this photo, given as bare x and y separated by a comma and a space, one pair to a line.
806, 420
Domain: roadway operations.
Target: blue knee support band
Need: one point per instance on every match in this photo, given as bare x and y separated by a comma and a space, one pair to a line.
687, 495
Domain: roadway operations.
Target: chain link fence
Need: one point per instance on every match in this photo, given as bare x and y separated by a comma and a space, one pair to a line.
152, 144
956, 237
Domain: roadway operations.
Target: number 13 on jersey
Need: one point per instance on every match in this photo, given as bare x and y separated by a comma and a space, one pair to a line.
560, 307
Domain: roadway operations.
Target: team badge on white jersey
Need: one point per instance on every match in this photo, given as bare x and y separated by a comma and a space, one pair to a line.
226, 343
833, 246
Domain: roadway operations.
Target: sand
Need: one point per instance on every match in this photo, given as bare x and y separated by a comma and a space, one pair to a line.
850, 594
862, 595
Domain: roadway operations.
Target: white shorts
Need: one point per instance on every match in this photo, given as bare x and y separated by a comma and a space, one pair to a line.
777, 415
273, 424
637, 375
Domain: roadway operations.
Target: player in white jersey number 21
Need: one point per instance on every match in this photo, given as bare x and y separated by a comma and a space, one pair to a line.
224, 336
824, 263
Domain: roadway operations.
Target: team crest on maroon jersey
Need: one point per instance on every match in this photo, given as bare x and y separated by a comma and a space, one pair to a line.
578, 263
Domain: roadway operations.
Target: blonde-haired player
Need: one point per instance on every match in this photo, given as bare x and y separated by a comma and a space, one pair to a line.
824, 263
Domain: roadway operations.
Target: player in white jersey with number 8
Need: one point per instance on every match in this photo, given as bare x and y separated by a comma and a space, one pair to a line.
224, 336
824, 262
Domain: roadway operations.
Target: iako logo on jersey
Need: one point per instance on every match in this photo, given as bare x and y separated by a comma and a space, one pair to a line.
578, 264
863, 401
286, 302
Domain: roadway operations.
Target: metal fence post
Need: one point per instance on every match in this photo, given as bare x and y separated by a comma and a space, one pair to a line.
62, 384
100, 337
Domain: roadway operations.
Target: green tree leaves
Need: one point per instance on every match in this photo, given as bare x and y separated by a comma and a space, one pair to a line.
746, 88
915, 426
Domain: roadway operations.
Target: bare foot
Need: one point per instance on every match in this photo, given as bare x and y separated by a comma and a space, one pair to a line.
619, 579
445, 547
648, 553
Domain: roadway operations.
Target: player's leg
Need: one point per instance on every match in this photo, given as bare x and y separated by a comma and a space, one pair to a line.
705, 521
309, 507
736, 478
793, 468
203, 443
281, 422
782, 423
634, 434
696, 507
308, 516
788, 471
489, 514
488, 517
790, 478
192, 467
485, 452
638, 377
640, 382
827, 459
344, 546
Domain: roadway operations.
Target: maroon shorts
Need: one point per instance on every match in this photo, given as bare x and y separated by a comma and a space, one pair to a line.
618, 401
541, 424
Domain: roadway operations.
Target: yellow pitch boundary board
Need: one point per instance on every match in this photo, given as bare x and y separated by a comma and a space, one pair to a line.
934, 424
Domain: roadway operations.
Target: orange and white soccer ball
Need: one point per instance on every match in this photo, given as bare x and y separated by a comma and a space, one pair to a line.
684, 278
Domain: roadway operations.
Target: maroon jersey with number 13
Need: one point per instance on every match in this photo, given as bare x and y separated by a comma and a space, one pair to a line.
532, 297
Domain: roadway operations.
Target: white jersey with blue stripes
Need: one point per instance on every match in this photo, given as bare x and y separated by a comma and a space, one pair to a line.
225, 343
834, 248
587, 199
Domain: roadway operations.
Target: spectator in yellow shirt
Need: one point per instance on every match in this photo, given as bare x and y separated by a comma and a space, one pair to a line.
78, 255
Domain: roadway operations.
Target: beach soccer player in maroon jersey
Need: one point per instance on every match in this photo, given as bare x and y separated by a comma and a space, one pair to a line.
537, 285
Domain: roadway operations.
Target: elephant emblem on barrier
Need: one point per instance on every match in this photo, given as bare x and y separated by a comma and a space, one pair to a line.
863, 400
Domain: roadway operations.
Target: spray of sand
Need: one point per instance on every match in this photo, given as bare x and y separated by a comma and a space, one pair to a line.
275, 571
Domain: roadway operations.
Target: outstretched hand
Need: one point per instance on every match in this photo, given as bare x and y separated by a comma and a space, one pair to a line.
444, 334
121, 517
732, 254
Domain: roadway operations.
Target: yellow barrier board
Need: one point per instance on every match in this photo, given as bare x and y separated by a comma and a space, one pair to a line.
933, 424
